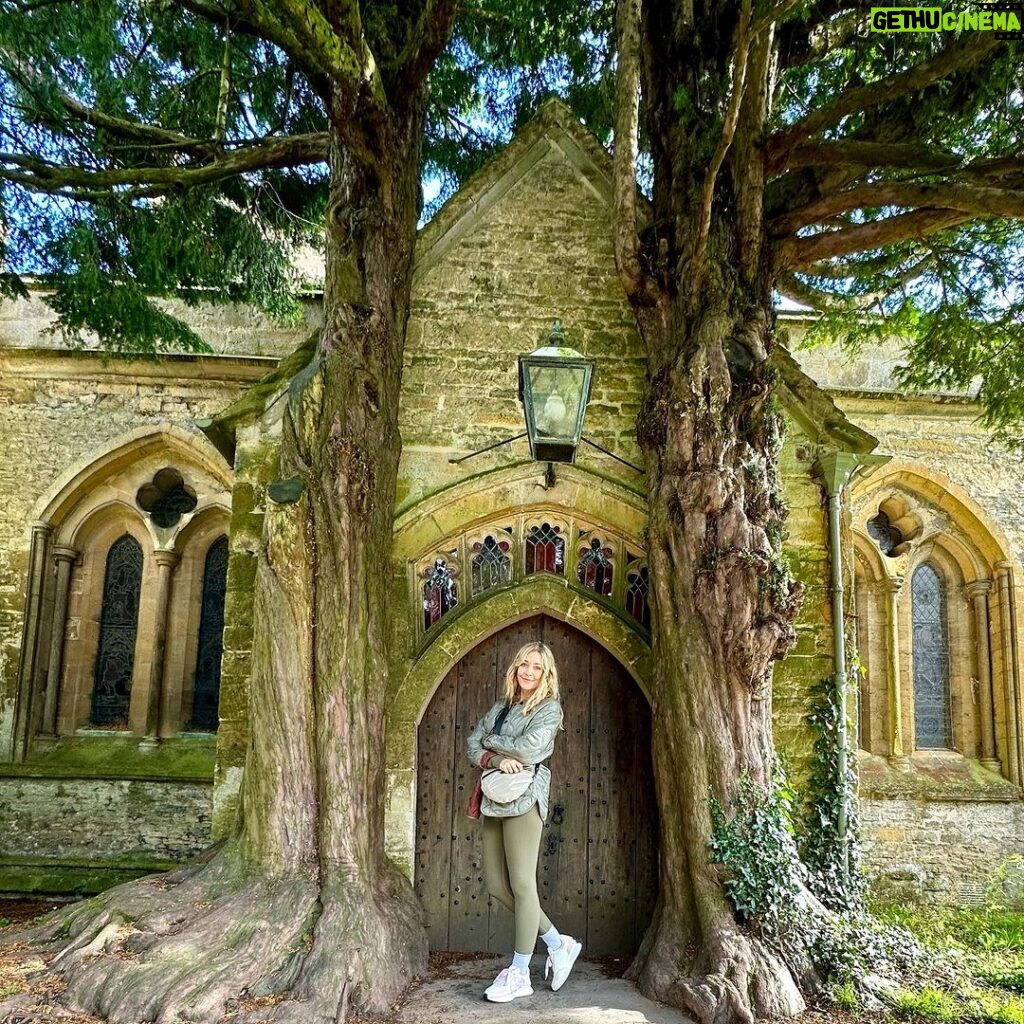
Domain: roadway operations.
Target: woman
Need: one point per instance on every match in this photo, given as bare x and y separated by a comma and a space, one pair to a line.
525, 739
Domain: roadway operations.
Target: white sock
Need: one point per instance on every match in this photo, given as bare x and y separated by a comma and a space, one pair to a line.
552, 939
521, 962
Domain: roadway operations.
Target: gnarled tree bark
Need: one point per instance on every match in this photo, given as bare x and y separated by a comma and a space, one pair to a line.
300, 915
723, 605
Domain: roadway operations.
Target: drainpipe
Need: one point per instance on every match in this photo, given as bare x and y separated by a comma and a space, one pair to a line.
834, 469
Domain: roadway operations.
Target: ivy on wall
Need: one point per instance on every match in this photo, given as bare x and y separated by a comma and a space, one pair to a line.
832, 859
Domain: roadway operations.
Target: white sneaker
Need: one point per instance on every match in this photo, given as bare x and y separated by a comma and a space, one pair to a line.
560, 961
510, 984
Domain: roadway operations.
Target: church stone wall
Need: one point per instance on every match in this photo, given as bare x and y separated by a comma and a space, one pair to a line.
77, 826
947, 437
73, 835
228, 330
806, 552
539, 253
58, 411
919, 841
953, 852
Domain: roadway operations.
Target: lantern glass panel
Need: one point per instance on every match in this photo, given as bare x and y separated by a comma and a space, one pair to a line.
555, 393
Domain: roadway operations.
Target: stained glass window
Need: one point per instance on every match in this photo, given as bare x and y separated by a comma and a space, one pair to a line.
932, 720
440, 592
638, 596
119, 624
492, 565
545, 550
206, 697
595, 568
886, 536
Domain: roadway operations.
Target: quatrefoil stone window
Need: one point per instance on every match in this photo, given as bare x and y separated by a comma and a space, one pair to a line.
166, 497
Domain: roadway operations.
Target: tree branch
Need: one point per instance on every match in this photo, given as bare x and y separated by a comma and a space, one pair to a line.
806, 294
772, 16
978, 200
244, 21
741, 52
827, 28
312, 38
33, 81
336, 51
853, 152
627, 119
74, 182
427, 39
802, 253
953, 58
224, 90
802, 291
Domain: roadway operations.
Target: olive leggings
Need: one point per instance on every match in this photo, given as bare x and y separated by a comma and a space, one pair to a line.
511, 849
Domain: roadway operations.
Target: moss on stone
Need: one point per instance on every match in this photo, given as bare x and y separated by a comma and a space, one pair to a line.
117, 756
944, 776
40, 877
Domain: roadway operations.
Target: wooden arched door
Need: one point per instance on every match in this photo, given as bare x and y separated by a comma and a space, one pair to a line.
598, 859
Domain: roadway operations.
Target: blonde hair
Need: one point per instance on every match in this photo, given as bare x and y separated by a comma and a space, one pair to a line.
548, 683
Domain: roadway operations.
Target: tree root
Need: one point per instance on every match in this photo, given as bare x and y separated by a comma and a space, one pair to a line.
196, 945
735, 979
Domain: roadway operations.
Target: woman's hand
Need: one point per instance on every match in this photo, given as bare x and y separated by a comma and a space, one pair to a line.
509, 765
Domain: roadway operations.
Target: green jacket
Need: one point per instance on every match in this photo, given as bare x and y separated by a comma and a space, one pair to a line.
527, 738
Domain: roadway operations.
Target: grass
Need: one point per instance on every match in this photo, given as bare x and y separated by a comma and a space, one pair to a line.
987, 947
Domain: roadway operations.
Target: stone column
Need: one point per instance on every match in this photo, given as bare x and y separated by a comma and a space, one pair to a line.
165, 563
978, 592
897, 750
28, 664
863, 605
64, 558
1010, 670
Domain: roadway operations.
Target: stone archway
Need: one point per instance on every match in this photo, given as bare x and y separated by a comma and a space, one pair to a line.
598, 862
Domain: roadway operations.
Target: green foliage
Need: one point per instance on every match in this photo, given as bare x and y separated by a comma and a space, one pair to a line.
982, 950
111, 251
932, 1003
852, 947
505, 57
754, 844
969, 1006
844, 996
831, 860
959, 319
987, 941
954, 297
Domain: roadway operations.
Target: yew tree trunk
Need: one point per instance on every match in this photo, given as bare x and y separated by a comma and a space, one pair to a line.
723, 605
300, 916
314, 795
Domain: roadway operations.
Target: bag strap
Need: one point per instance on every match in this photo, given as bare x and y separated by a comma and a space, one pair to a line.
502, 715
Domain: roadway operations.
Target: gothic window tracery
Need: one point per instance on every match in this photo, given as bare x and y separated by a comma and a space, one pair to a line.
638, 595
440, 591
595, 569
166, 497
932, 712
584, 555
115, 659
930, 591
887, 536
206, 693
545, 550
491, 564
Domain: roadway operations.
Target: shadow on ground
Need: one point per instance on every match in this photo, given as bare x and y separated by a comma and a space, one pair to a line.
592, 995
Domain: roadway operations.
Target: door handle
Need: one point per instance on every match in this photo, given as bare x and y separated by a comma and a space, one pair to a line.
558, 814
